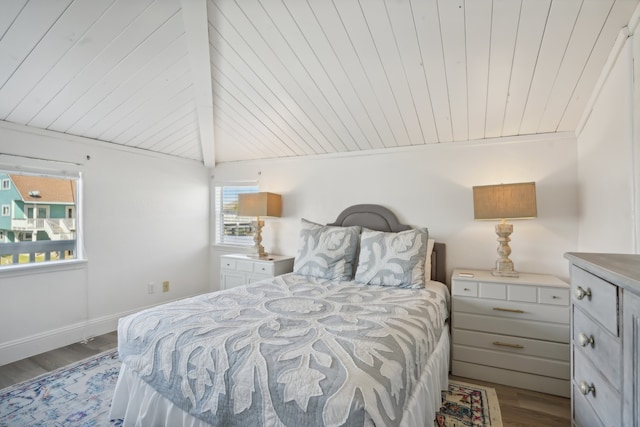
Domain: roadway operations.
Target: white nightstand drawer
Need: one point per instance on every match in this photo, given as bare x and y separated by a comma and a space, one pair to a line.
557, 332
596, 297
242, 265
513, 344
514, 362
228, 264
554, 296
264, 268
492, 290
469, 289
600, 346
604, 400
513, 310
522, 293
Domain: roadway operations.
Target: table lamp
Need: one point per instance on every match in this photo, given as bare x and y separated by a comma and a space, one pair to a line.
259, 205
502, 202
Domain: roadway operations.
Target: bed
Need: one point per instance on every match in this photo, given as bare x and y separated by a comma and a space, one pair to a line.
357, 335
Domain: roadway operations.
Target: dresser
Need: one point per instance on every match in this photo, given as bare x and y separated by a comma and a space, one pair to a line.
511, 330
605, 319
240, 269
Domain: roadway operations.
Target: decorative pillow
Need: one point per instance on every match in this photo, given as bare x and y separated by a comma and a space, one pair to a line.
327, 252
393, 259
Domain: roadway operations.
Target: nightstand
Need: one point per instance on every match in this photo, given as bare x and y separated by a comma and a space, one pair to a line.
240, 269
511, 330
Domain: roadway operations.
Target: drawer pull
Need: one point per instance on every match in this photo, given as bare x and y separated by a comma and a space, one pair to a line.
555, 297
581, 293
586, 388
467, 289
509, 310
504, 344
584, 340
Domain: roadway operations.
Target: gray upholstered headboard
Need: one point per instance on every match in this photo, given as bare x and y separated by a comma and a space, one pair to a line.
379, 218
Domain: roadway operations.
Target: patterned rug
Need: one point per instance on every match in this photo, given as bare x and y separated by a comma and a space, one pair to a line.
75, 395
80, 395
467, 404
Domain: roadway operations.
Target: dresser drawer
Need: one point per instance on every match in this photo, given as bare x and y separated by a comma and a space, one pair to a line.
492, 290
227, 264
522, 293
514, 362
596, 297
266, 268
512, 310
553, 296
605, 400
556, 332
244, 265
513, 344
605, 351
583, 414
469, 289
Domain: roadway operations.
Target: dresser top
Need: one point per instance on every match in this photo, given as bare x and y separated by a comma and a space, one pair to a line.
522, 279
620, 269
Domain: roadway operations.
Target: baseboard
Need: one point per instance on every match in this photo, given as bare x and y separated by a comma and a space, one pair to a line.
56, 338
22, 348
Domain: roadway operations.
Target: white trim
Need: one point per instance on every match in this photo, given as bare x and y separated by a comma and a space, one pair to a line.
10, 158
196, 24
29, 269
555, 136
21, 348
623, 35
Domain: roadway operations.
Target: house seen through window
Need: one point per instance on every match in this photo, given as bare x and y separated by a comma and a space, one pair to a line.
232, 229
38, 221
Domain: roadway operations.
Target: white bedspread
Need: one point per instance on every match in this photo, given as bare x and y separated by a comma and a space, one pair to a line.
286, 352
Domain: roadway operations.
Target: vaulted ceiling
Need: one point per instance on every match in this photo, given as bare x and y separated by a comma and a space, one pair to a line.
227, 80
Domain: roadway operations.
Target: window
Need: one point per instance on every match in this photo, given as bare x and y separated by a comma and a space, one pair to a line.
34, 223
6, 184
230, 228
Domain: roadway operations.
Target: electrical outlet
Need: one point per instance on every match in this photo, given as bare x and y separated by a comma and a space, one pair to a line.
151, 288
165, 286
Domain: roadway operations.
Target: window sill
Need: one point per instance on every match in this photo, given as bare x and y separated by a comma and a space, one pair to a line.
41, 268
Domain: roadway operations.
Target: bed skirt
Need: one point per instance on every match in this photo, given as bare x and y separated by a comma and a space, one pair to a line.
139, 405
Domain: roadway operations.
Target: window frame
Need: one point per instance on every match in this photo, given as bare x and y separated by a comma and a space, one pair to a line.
220, 200
51, 265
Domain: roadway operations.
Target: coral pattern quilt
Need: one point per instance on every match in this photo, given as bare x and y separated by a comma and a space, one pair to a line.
289, 351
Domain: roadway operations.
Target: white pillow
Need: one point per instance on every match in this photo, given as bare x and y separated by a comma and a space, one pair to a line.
392, 259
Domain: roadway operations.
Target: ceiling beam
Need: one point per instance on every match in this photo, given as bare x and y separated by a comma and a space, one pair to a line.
194, 14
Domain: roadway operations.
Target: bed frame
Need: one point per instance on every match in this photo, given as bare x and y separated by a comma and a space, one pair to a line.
380, 218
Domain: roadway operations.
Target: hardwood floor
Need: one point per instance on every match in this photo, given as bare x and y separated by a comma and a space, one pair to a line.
519, 408
31, 367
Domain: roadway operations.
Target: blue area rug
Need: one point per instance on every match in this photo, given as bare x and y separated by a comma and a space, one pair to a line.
80, 395
75, 395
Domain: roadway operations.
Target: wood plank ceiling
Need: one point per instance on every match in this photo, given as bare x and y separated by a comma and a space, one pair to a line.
227, 80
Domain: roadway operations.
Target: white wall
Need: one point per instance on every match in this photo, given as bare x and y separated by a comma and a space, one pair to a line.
146, 219
607, 167
429, 186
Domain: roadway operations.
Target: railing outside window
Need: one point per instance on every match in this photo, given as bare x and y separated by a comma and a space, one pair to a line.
38, 251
